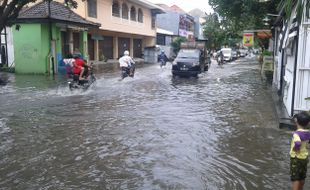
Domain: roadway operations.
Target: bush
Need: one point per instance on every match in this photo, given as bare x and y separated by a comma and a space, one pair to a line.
177, 43
267, 53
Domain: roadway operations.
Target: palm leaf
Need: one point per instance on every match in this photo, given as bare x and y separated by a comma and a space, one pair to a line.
303, 8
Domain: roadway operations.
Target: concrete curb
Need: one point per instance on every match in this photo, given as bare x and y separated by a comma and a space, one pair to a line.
285, 121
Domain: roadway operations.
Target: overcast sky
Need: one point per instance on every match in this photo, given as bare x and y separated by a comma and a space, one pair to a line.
187, 5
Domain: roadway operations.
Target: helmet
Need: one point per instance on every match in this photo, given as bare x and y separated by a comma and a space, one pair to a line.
126, 52
163, 51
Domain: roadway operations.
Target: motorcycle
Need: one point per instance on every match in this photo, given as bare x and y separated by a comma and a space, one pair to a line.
128, 71
75, 83
220, 60
162, 63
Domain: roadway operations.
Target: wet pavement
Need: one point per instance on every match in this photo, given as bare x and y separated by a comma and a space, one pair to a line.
150, 132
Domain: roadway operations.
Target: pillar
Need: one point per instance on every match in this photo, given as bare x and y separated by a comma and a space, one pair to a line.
70, 37
83, 44
96, 49
115, 47
131, 47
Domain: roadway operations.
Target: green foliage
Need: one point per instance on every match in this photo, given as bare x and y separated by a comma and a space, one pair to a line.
9, 10
235, 17
267, 53
302, 8
176, 44
213, 31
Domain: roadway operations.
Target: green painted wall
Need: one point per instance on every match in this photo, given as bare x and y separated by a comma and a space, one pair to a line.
31, 48
83, 44
45, 45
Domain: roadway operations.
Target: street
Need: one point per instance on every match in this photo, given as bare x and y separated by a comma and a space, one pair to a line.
218, 131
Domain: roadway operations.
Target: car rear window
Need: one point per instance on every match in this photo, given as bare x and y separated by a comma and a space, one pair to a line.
188, 53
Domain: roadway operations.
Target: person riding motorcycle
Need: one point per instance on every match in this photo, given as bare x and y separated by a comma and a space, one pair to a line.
162, 58
80, 68
220, 58
127, 64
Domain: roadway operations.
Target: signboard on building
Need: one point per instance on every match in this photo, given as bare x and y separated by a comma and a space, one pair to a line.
248, 39
185, 33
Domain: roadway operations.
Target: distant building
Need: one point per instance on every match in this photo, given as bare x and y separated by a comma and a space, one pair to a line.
200, 20
177, 21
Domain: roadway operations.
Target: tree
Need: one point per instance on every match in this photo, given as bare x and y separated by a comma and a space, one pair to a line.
213, 31
9, 10
246, 14
303, 8
239, 15
176, 44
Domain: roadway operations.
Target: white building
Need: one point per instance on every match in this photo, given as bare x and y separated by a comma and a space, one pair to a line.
292, 63
7, 44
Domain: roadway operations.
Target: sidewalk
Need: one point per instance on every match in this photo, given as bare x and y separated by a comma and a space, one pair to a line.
285, 121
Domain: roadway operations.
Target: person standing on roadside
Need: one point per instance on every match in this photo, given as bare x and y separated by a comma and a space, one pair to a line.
299, 151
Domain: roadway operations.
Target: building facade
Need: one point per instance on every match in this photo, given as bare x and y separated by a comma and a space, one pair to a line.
44, 34
181, 24
125, 25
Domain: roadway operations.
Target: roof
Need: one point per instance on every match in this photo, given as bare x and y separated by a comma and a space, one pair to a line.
59, 13
175, 8
164, 6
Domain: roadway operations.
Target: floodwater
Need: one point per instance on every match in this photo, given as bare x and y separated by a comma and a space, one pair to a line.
150, 132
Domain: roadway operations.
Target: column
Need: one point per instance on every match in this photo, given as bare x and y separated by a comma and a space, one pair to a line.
115, 47
131, 47
83, 44
70, 38
96, 49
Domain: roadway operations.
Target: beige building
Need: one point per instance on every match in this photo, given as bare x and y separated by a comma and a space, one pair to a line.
125, 25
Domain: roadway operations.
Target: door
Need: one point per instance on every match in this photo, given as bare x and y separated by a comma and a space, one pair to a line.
64, 44
91, 47
76, 42
137, 48
303, 70
123, 45
106, 48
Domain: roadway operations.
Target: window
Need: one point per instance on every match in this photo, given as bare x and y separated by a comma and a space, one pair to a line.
140, 16
125, 11
133, 14
115, 9
153, 21
160, 39
92, 8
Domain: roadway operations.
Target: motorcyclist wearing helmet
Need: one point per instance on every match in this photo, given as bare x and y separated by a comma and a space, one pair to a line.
163, 57
80, 67
127, 64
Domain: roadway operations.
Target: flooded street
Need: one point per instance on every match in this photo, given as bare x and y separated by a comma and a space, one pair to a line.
151, 132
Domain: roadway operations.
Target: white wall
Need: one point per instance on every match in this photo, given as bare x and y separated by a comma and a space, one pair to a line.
10, 50
303, 70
